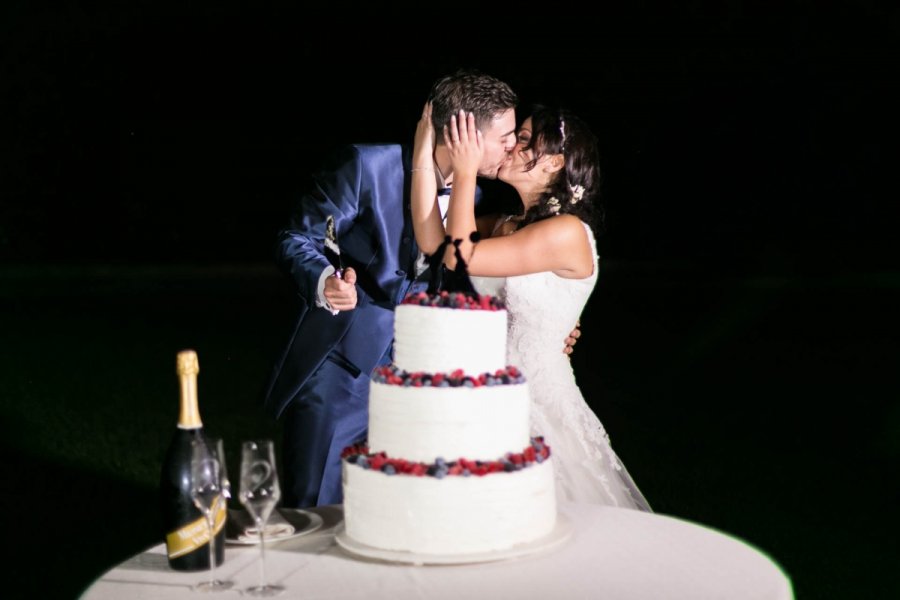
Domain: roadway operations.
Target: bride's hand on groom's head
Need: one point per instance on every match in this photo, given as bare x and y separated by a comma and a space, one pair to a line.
464, 143
340, 292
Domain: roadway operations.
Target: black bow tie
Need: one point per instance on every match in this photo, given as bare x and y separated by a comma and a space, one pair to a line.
444, 191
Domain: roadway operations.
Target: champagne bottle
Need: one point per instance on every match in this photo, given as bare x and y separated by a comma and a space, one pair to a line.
184, 526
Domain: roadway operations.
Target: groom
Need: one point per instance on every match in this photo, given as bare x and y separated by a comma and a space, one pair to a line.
320, 384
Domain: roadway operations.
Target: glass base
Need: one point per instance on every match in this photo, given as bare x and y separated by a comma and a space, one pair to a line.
211, 587
264, 591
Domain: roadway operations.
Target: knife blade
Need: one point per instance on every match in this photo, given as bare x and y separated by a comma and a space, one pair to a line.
332, 250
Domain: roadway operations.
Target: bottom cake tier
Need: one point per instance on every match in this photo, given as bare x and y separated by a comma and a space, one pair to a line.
460, 507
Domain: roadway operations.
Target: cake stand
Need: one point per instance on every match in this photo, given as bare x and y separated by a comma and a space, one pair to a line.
562, 531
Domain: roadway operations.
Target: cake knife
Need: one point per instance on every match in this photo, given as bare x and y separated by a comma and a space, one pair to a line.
332, 250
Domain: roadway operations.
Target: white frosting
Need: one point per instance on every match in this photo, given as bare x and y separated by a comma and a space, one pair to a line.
422, 424
453, 515
440, 340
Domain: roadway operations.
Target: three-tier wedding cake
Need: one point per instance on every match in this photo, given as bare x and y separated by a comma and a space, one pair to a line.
449, 467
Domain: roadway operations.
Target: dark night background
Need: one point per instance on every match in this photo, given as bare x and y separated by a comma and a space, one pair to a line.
741, 345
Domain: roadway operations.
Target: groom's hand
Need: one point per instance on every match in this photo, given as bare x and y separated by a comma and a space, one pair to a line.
340, 292
572, 339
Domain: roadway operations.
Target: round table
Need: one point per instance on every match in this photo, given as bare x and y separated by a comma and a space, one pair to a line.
612, 553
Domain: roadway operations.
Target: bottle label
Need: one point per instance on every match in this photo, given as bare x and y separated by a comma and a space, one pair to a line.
195, 534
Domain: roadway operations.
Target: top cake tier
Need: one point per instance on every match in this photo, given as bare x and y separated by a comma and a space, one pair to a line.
430, 339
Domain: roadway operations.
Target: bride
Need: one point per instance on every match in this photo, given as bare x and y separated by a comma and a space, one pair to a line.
549, 260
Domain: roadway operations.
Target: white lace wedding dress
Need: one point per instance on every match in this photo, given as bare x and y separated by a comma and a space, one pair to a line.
542, 310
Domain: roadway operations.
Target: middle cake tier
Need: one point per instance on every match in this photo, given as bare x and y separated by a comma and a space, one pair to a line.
423, 416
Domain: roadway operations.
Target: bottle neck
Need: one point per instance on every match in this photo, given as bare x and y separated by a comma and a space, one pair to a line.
189, 418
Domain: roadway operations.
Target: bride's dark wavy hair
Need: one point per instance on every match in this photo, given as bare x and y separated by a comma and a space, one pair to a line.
561, 132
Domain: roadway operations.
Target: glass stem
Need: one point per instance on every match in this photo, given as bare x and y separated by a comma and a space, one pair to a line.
262, 552
210, 521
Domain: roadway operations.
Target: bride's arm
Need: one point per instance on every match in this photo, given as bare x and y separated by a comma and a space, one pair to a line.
559, 244
426, 214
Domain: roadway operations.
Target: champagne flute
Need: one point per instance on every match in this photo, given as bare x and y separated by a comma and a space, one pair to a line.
208, 491
259, 494
219, 449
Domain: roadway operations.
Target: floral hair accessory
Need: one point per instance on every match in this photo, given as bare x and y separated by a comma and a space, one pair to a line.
553, 205
577, 193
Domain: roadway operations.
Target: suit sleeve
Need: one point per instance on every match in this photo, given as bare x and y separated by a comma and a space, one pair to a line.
301, 245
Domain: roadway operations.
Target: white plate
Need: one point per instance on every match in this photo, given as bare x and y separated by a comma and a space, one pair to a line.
561, 532
303, 521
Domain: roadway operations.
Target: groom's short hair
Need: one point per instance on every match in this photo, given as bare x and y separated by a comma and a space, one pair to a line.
470, 91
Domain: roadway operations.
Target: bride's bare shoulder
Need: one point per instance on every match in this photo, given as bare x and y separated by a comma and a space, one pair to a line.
562, 227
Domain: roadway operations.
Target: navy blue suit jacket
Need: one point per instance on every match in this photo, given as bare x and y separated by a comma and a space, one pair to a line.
367, 192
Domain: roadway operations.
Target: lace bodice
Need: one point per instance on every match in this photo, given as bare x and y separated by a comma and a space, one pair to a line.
542, 309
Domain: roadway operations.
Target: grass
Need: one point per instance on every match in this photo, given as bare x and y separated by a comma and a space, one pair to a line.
765, 407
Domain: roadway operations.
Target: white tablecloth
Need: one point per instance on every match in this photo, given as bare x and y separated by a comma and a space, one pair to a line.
612, 554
